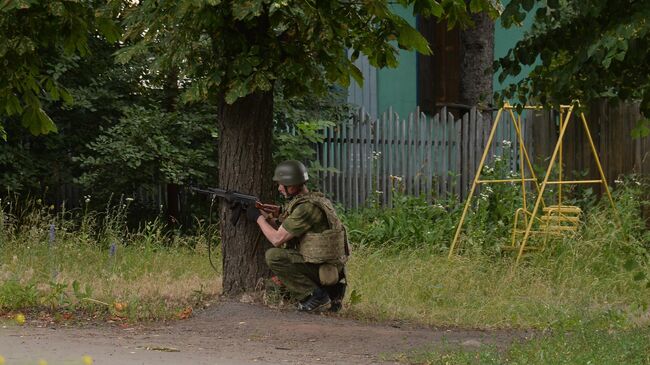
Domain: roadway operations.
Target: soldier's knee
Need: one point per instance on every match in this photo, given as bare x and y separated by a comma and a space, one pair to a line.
274, 256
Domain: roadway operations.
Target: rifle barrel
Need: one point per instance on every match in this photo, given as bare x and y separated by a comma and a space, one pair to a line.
228, 195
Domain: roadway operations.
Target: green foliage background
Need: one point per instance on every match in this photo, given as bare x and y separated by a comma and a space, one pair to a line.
582, 50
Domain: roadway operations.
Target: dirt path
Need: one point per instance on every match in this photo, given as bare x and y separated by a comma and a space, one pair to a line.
235, 333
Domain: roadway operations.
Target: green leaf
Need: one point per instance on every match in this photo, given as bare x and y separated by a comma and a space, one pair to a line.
519, 16
528, 4
642, 129
237, 89
428, 8
65, 95
109, 29
356, 74
355, 297
35, 119
409, 38
52, 89
247, 9
502, 77
262, 81
13, 106
475, 6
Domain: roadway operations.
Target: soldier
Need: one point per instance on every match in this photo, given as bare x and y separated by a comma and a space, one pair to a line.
310, 245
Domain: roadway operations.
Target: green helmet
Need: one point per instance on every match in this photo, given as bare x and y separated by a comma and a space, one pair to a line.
290, 173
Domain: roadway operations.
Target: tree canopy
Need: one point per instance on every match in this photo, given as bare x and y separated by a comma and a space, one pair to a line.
582, 50
37, 38
235, 48
300, 44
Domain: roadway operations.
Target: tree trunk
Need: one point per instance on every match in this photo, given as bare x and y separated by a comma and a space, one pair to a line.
477, 56
245, 165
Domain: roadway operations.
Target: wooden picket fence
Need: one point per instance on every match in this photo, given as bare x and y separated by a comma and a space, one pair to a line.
428, 156
437, 156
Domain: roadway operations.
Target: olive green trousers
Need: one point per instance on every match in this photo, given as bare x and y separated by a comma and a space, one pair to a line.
300, 277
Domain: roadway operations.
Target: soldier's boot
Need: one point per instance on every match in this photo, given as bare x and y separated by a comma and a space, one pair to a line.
337, 292
318, 301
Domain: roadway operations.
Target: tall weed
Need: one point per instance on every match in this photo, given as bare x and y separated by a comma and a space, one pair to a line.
90, 260
397, 272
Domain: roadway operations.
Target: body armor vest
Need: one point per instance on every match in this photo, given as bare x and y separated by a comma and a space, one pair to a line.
329, 246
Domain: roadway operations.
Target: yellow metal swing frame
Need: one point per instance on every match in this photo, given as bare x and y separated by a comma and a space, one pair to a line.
557, 219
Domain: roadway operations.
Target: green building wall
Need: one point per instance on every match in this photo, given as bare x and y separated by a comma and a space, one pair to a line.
397, 88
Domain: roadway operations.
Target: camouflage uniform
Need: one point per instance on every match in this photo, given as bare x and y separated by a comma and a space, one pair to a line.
301, 216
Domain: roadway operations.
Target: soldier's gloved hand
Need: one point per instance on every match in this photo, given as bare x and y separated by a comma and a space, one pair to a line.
252, 213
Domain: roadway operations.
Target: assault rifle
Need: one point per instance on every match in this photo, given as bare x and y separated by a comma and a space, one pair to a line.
237, 201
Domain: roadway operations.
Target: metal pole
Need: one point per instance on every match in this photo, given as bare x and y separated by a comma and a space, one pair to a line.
559, 190
544, 183
474, 183
600, 167
530, 164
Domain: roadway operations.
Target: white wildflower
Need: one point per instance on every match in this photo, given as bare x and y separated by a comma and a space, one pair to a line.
505, 143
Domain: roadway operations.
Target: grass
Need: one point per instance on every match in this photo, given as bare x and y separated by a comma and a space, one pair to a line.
587, 294
149, 274
482, 292
603, 271
153, 282
585, 344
